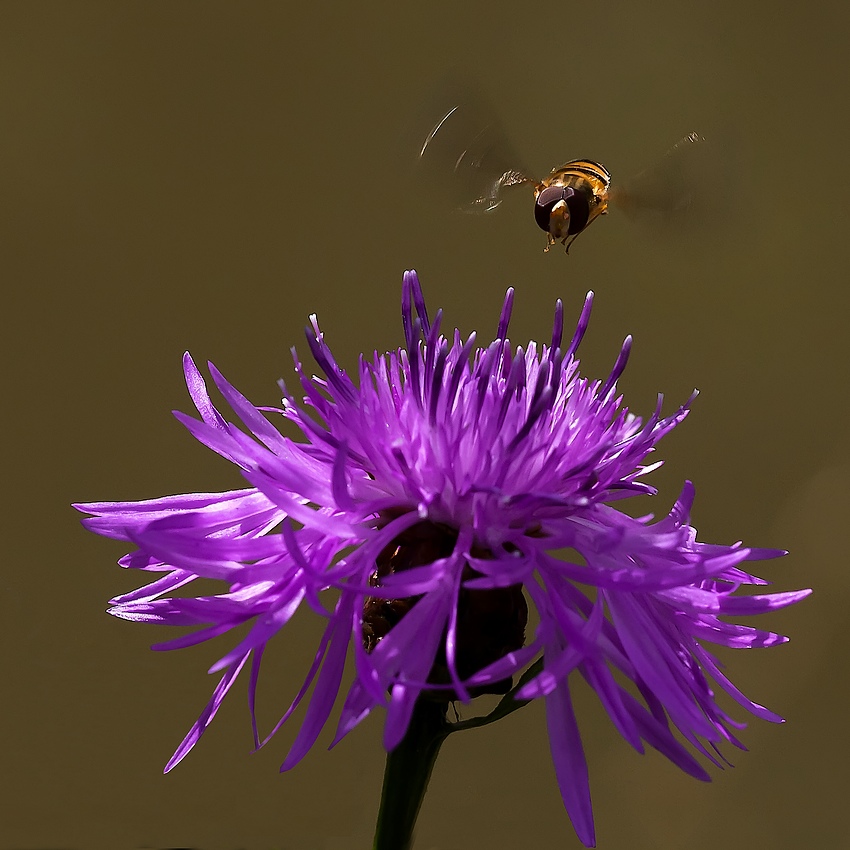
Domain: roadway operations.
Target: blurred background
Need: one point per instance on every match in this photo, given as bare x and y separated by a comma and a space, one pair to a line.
204, 176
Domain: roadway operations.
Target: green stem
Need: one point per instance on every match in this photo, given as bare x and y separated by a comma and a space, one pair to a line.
406, 775
409, 765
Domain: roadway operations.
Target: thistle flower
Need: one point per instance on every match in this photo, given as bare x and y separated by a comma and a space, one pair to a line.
429, 502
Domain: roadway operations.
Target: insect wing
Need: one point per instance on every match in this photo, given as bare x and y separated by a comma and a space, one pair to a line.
467, 152
677, 186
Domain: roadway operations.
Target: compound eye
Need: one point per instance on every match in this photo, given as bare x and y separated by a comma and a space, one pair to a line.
579, 210
546, 200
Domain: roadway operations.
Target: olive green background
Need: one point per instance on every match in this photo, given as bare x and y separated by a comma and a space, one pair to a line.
203, 176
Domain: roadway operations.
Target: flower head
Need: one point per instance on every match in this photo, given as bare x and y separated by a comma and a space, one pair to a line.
429, 502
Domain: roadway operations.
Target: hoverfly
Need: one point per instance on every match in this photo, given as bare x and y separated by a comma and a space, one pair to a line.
468, 150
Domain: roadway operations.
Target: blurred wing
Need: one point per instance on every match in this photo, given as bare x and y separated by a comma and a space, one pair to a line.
467, 153
678, 185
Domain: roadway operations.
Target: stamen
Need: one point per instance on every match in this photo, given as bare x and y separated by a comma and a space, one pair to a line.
406, 312
431, 346
414, 357
558, 326
460, 369
436, 382
516, 377
541, 404
581, 327
505, 317
419, 300
335, 374
619, 367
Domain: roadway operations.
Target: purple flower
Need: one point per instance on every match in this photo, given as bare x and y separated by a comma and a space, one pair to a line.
428, 502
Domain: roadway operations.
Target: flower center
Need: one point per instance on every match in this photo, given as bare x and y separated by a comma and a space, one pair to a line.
490, 622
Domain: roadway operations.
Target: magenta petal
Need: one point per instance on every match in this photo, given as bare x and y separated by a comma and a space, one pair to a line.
358, 705
570, 763
174, 580
207, 715
324, 695
759, 710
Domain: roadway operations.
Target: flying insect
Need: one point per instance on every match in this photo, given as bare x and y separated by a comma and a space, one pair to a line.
468, 151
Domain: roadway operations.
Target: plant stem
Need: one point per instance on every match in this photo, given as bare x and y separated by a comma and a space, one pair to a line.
406, 775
